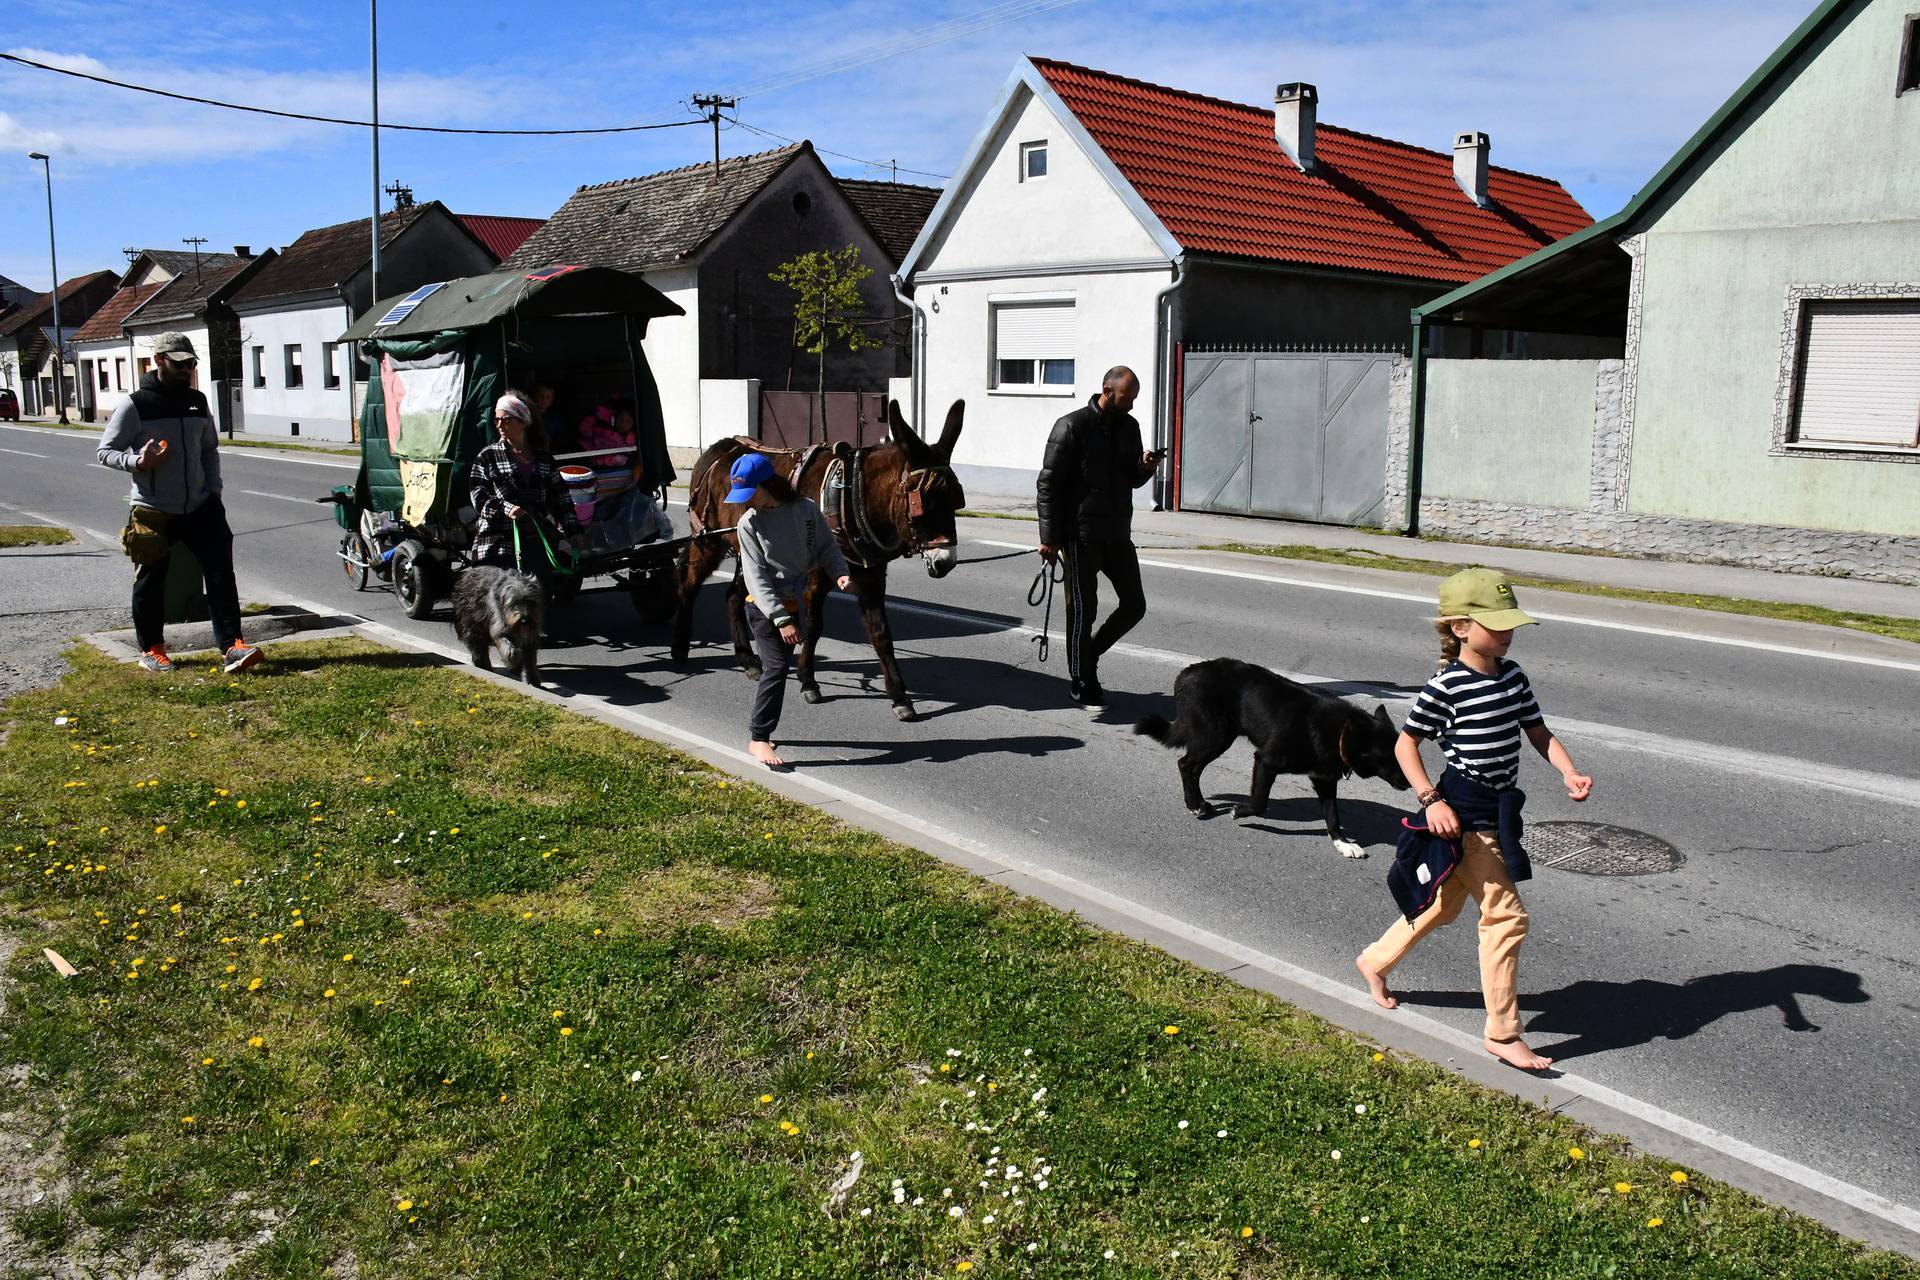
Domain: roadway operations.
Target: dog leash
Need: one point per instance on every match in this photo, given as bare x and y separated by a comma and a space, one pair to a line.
1041, 592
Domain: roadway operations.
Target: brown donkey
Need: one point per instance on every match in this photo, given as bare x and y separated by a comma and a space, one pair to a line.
884, 503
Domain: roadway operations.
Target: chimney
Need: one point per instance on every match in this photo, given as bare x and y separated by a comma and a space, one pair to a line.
1470, 165
1295, 107
242, 251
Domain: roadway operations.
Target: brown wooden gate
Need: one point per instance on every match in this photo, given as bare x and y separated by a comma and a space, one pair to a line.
791, 419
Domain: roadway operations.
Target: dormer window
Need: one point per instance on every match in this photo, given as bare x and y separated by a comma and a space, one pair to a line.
1033, 160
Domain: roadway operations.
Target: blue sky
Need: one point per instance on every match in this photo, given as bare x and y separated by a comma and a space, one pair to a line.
1597, 95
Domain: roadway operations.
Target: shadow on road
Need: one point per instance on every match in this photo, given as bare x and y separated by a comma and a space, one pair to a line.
1599, 1016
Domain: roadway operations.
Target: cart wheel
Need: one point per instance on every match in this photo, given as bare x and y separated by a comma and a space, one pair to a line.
413, 580
655, 595
355, 556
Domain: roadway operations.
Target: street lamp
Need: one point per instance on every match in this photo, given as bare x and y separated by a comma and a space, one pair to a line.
59, 355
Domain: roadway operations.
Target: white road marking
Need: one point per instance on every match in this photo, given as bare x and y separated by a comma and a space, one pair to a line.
268, 454
1382, 593
281, 497
25, 453
1823, 1184
1782, 770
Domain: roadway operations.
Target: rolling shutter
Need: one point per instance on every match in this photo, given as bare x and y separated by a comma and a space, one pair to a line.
1860, 375
1033, 331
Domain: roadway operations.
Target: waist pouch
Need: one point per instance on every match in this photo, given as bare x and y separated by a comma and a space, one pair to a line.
145, 537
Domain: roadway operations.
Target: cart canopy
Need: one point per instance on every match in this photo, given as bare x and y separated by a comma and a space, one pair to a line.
443, 353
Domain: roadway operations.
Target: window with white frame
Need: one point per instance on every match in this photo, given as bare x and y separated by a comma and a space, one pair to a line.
259, 366
1033, 160
330, 364
296, 375
1032, 345
1859, 375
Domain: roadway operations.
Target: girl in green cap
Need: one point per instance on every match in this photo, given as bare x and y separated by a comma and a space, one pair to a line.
1466, 844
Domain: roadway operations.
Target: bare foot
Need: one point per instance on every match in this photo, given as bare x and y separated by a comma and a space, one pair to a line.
765, 754
1516, 1054
1376, 984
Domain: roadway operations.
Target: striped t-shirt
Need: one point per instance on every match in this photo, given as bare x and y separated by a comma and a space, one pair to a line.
1477, 719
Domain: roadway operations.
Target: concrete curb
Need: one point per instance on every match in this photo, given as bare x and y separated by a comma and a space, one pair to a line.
1851, 1211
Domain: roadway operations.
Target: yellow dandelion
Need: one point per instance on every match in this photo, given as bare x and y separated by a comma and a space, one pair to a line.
1171, 1030
963, 1265
1473, 1143
547, 854
1245, 1232
558, 1012
526, 915
175, 908
348, 957
1621, 1188
367, 778
186, 1119
313, 1162
299, 924
327, 994
598, 932
1677, 1176
809, 1055
206, 1062
473, 711
722, 784
160, 830
945, 1066
404, 1205
503, 1097
453, 831
1575, 1153
256, 1042
766, 1097
566, 1031
256, 984
238, 804
1654, 1222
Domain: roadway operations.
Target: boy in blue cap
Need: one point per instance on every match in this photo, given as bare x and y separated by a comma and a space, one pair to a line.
783, 539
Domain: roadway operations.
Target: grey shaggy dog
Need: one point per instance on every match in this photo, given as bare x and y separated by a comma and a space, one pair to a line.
496, 606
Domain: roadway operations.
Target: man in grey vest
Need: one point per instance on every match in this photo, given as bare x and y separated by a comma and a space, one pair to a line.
164, 435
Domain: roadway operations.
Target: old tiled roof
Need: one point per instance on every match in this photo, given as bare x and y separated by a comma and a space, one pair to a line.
107, 320
39, 310
187, 295
895, 210
501, 235
1213, 174
326, 256
171, 261
653, 220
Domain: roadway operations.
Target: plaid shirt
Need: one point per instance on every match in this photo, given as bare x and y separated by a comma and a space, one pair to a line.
495, 482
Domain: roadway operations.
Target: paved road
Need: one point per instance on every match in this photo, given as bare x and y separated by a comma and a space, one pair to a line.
1769, 988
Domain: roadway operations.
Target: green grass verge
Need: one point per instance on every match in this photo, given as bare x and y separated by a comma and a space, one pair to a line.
1879, 624
460, 984
33, 535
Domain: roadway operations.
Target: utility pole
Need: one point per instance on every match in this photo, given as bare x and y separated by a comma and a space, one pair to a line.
402, 194
373, 63
196, 242
53, 260
711, 104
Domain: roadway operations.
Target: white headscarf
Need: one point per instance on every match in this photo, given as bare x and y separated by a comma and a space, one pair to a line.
512, 406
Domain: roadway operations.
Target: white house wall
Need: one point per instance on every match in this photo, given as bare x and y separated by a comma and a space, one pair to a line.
672, 345
322, 412
1008, 239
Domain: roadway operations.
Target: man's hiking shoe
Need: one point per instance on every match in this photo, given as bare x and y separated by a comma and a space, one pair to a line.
1087, 693
156, 659
241, 656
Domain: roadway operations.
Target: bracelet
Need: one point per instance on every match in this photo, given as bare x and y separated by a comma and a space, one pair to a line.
1430, 796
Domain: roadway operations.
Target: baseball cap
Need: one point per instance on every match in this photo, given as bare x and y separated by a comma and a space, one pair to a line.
750, 471
1484, 595
175, 346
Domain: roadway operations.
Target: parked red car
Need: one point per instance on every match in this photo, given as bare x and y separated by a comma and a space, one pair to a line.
9, 405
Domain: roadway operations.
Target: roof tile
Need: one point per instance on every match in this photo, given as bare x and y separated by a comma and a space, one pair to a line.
895, 210
106, 322
1212, 172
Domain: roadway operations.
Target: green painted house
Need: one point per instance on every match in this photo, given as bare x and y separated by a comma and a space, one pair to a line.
1751, 322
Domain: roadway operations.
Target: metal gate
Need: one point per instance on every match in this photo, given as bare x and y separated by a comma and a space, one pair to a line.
790, 419
1296, 434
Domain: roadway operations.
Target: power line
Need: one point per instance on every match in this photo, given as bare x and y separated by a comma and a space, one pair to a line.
361, 124
838, 155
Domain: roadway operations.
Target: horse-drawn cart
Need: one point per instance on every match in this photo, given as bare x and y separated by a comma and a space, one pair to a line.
440, 357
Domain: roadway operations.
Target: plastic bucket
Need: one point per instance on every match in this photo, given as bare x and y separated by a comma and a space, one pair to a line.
579, 482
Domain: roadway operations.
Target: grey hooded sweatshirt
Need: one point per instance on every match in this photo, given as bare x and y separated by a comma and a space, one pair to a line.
779, 547
189, 471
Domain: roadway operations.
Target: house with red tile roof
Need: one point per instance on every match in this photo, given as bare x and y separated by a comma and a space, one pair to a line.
1100, 220
29, 339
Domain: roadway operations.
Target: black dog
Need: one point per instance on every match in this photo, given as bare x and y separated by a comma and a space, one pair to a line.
1293, 729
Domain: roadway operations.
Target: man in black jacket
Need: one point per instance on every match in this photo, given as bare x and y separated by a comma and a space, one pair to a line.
1093, 464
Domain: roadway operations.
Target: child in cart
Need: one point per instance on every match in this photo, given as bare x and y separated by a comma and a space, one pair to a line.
625, 513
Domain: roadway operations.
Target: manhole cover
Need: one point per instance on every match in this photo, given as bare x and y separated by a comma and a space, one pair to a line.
1596, 849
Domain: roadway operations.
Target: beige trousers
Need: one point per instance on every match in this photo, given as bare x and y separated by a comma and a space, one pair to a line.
1482, 876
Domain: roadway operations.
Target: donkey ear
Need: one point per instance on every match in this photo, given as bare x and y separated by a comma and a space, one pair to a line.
950, 433
903, 435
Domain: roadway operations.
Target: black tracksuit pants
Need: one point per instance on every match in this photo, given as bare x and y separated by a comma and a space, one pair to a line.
205, 532
776, 656
1085, 562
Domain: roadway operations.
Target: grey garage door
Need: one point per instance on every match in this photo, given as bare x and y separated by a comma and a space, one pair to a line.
1297, 434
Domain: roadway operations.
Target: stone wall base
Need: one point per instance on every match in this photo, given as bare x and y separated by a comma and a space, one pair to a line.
1874, 557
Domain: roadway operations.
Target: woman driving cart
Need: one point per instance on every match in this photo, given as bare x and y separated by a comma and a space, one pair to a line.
515, 483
